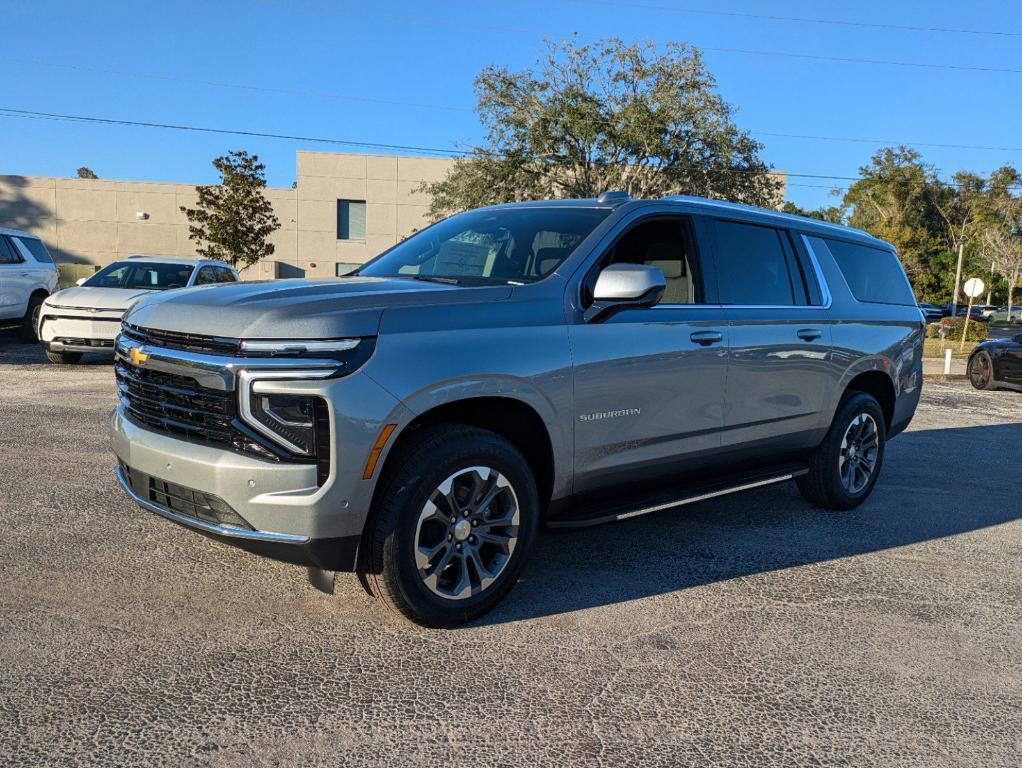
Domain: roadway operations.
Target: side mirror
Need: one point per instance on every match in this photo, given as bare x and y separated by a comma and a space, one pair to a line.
81, 281
620, 286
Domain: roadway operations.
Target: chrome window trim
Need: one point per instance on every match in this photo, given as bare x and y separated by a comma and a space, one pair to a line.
202, 525
247, 381
825, 295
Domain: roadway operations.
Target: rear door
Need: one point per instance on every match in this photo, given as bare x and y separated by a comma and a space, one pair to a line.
649, 382
15, 281
779, 336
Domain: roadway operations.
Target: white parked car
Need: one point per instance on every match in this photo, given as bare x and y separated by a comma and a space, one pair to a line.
27, 277
88, 318
1007, 315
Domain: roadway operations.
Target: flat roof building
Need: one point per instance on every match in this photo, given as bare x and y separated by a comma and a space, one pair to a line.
344, 209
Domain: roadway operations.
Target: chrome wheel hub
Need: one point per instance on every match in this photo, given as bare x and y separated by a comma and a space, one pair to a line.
860, 450
466, 533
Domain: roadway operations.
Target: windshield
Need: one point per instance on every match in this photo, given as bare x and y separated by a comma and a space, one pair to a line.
518, 245
141, 275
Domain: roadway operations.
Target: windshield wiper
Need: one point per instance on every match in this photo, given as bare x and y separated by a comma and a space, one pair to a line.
435, 279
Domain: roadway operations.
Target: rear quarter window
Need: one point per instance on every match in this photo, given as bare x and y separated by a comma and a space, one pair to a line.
37, 249
874, 275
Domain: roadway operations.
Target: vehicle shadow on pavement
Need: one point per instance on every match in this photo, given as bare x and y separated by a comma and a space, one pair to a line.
16, 352
923, 494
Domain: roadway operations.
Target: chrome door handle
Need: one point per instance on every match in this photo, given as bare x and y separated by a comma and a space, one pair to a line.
706, 337
809, 334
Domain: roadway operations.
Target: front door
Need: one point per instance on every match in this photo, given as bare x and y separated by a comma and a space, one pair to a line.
649, 382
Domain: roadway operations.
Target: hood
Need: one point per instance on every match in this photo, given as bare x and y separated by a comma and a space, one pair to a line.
294, 309
97, 298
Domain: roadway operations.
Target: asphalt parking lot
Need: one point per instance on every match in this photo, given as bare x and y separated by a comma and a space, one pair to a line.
750, 630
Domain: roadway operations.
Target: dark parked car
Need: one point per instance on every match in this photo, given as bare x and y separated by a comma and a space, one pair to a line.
931, 311
997, 364
963, 309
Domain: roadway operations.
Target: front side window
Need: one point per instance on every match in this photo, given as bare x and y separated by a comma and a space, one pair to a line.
873, 274
351, 219
755, 267
151, 276
668, 245
7, 253
517, 245
206, 276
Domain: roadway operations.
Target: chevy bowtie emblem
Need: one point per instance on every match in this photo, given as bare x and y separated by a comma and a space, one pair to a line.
137, 356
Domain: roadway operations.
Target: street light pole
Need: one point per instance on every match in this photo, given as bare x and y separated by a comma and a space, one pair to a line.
958, 277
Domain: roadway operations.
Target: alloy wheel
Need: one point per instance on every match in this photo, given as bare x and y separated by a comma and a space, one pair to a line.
979, 371
466, 532
860, 449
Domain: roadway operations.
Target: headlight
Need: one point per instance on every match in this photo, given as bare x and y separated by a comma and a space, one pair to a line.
292, 348
294, 420
290, 420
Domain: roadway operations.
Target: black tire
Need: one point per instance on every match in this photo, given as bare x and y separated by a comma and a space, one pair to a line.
422, 462
63, 358
824, 485
981, 371
27, 331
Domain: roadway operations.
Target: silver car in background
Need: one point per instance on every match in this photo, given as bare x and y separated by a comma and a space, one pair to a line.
561, 363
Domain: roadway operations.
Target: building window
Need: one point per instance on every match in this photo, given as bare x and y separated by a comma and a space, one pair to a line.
351, 219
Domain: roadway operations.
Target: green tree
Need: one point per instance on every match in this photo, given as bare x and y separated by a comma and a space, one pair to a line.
86, 173
832, 214
897, 200
602, 116
233, 219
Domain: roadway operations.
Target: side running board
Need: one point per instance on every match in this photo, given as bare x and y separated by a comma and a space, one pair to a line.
597, 514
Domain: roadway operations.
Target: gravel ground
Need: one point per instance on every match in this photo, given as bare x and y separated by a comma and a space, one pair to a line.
750, 630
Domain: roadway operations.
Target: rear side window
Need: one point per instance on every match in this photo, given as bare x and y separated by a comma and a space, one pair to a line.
873, 274
36, 248
756, 267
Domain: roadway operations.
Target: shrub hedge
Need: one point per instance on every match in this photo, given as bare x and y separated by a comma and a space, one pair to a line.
950, 328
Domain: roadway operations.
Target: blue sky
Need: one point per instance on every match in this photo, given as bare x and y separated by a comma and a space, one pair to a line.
325, 68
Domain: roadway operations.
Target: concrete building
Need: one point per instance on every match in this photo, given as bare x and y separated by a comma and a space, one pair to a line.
344, 209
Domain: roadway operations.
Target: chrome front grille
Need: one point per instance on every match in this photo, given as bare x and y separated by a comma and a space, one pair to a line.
179, 406
189, 342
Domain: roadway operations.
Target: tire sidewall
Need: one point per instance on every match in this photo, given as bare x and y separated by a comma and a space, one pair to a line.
849, 410
990, 365
399, 547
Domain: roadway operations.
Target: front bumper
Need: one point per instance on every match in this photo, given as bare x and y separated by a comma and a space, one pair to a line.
332, 554
294, 514
67, 329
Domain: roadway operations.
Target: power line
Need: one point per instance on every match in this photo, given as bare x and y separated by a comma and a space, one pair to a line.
237, 86
802, 19
442, 151
879, 62
447, 107
859, 140
10, 112
352, 10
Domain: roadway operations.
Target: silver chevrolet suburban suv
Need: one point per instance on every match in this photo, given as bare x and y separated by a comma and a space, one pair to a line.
552, 364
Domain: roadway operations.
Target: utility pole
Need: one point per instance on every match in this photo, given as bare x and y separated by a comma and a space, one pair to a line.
990, 293
958, 277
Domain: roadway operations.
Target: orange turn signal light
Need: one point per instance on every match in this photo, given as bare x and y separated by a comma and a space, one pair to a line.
374, 454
